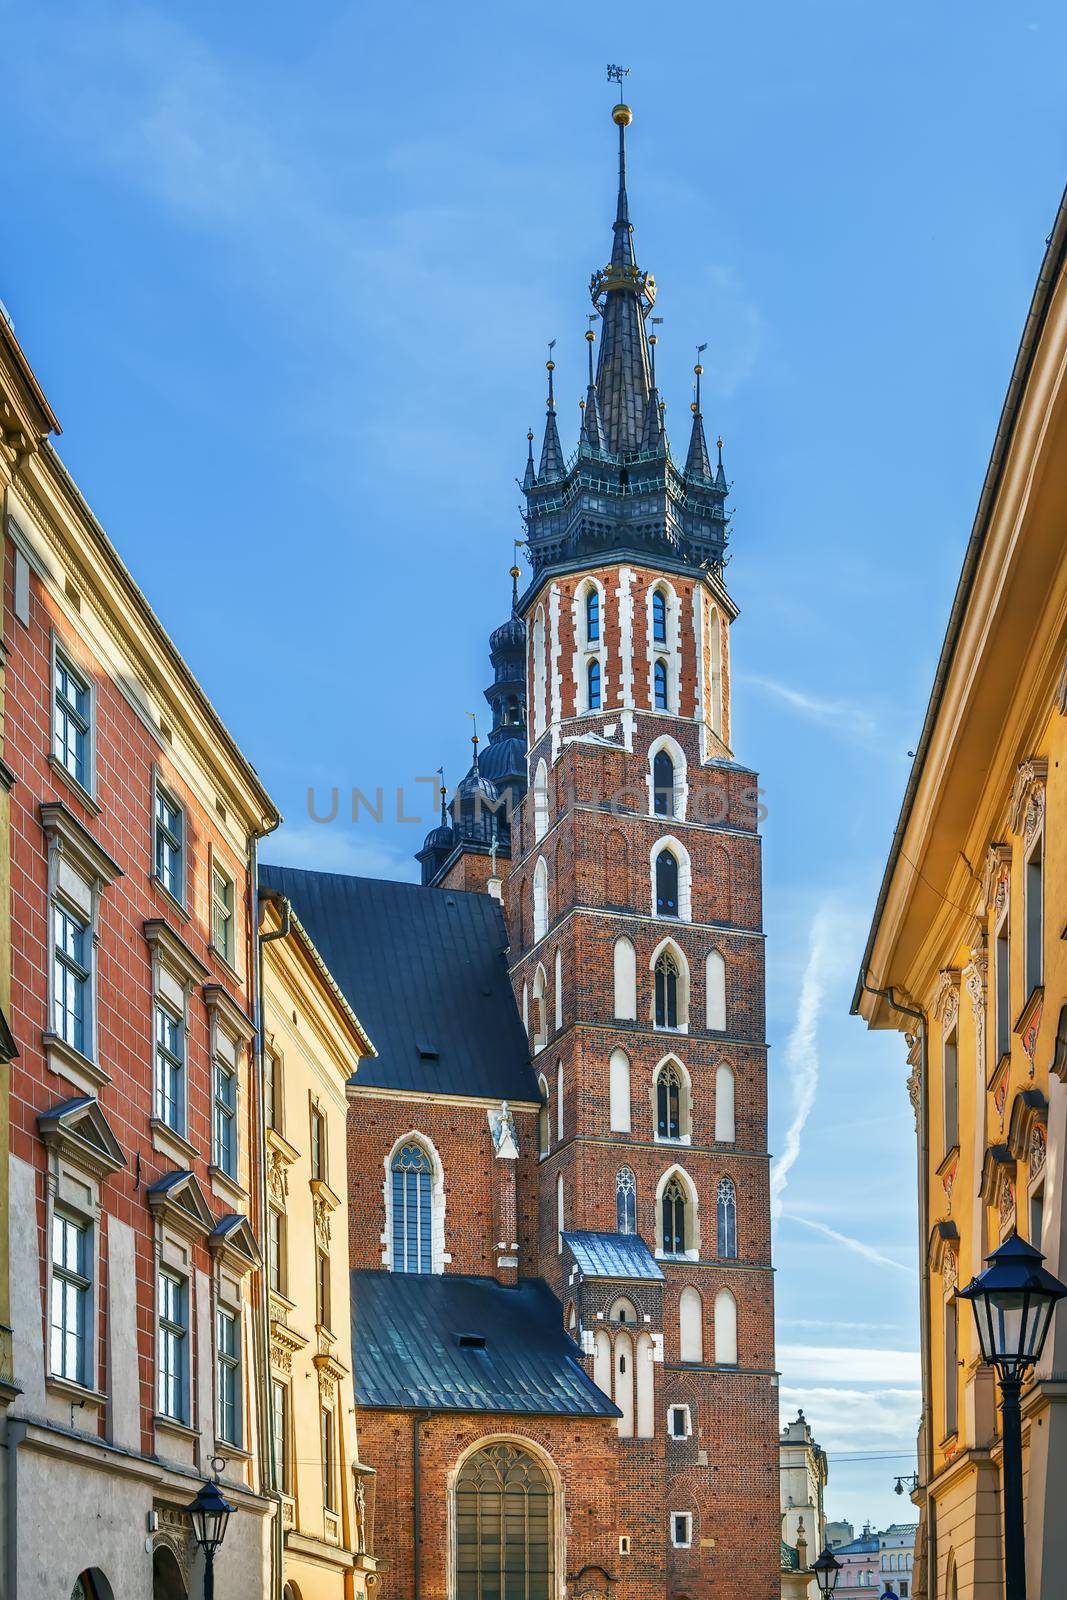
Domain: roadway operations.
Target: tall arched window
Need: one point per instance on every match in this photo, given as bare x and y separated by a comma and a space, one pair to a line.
544, 1124
659, 617
619, 1092
559, 1213
725, 1314
673, 1205
559, 1099
557, 990
540, 1010
593, 683
540, 801
537, 649
505, 1511
724, 1105
716, 991
669, 1103
592, 616
540, 899
666, 991
726, 1219
659, 682
624, 1383
690, 1325
625, 964
412, 1210
663, 784
625, 1201
666, 884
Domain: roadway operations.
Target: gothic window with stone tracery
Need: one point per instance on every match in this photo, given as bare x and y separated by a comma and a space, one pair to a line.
505, 1526
666, 991
625, 1201
669, 1103
726, 1227
673, 1206
412, 1180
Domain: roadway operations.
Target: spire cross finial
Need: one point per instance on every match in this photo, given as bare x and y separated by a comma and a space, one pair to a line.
591, 340
653, 340
444, 792
698, 369
551, 366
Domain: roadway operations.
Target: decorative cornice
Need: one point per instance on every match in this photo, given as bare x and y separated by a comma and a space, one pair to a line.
225, 1010
1028, 796
79, 1131
174, 952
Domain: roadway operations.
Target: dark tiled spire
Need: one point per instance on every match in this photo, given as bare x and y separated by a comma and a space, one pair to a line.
552, 464
529, 477
720, 476
623, 295
592, 423
653, 434
698, 462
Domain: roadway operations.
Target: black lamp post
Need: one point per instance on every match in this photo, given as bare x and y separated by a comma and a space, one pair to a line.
1013, 1301
210, 1512
827, 1570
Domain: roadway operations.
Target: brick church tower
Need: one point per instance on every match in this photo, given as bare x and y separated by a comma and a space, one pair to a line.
635, 924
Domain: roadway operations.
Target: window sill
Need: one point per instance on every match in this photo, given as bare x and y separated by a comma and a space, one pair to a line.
1031, 1009
79, 1393
68, 1062
278, 1142
947, 1160
226, 965
1003, 1062
682, 1139
77, 790
227, 1449
180, 1430
170, 1143
223, 1187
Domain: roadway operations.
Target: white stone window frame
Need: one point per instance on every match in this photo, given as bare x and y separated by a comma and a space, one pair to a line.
681, 777
60, 650
685, 1102
539, 672
692, 1248
160, 785
540, 800
539, 997
670, 841
79, 871
686, 1541
439, 1256
587, 650
176, 972
669, 652
229, 1035
687, 1421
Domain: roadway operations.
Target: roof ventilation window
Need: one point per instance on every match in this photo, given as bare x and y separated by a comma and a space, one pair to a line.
471, 1341
427, 1052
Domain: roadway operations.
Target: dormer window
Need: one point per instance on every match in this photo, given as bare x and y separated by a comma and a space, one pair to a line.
592, 616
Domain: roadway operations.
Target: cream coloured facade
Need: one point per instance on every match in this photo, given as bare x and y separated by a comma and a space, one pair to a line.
312, 1045
967, 957
802, 1476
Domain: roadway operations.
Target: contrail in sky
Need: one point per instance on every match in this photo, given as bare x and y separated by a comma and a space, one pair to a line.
802, 1054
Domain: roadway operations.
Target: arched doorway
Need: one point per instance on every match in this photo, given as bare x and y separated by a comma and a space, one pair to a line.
167, 1580
505, 1519
91, 1585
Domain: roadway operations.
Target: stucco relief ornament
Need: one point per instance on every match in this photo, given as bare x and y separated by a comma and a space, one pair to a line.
950, 1270
322, 1222
948, 1182
915, 1092
1007, 1203
1037, 1149
277, 1177
175, 1533
504, 1135
1028, 797
947, 998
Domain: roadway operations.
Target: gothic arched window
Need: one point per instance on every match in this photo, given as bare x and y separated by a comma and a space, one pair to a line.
659, 680
666, 991
666, 884
593, 677
674, 1218
505, 1526
625, 1201
663, 784
659, 617
726, 1219
592, 616
669, 1103
412, 1210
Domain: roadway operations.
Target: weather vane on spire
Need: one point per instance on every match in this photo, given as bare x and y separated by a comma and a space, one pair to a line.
617, 74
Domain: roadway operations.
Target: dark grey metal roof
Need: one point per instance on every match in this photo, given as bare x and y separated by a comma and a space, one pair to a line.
424, 970
612, 1255
416, 1344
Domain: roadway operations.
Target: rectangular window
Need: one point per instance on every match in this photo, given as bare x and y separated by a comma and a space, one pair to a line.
951, 1367
71, 713
173, 1344
322, 1289
170, 1069
951, 1079
70, 1356
272, 1091
280, 1433
327, 1461
678, 1422
229, 1377
222, 913
71, 977
170, 844
681, 1530
224, 1135
276, 1275
1002, 989
1033, 956
318, 1144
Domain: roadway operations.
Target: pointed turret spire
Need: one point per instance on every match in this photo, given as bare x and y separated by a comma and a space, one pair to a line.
720, 476
698, 462
529, 477
592, 424
552, 465
652, 432
623, 296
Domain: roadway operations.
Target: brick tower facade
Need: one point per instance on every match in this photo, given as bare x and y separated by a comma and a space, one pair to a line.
635, 922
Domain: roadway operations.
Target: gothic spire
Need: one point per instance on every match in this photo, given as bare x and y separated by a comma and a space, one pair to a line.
552, 465
592, 424
720, 476
652, 433
622, 295
529, 477
698, 462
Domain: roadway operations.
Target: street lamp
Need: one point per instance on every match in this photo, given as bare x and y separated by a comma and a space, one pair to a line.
1013, 1301
826, 1571
210, 1512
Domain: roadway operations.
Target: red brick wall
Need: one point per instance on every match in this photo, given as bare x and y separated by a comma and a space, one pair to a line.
125, 755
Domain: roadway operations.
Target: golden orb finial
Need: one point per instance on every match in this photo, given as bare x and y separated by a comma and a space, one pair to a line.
590, 335
529, 434
514, 573
698, 369
551, 365
693, 406
621, 115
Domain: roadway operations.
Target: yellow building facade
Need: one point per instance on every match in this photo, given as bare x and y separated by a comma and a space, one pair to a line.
967, 956
313, 1043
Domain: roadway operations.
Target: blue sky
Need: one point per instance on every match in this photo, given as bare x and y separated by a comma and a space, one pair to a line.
288, 286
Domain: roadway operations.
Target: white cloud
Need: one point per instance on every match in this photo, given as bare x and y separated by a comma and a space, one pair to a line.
327, 847
824, 1324
857, 1246
850, 1419
853, 1363
844, 715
